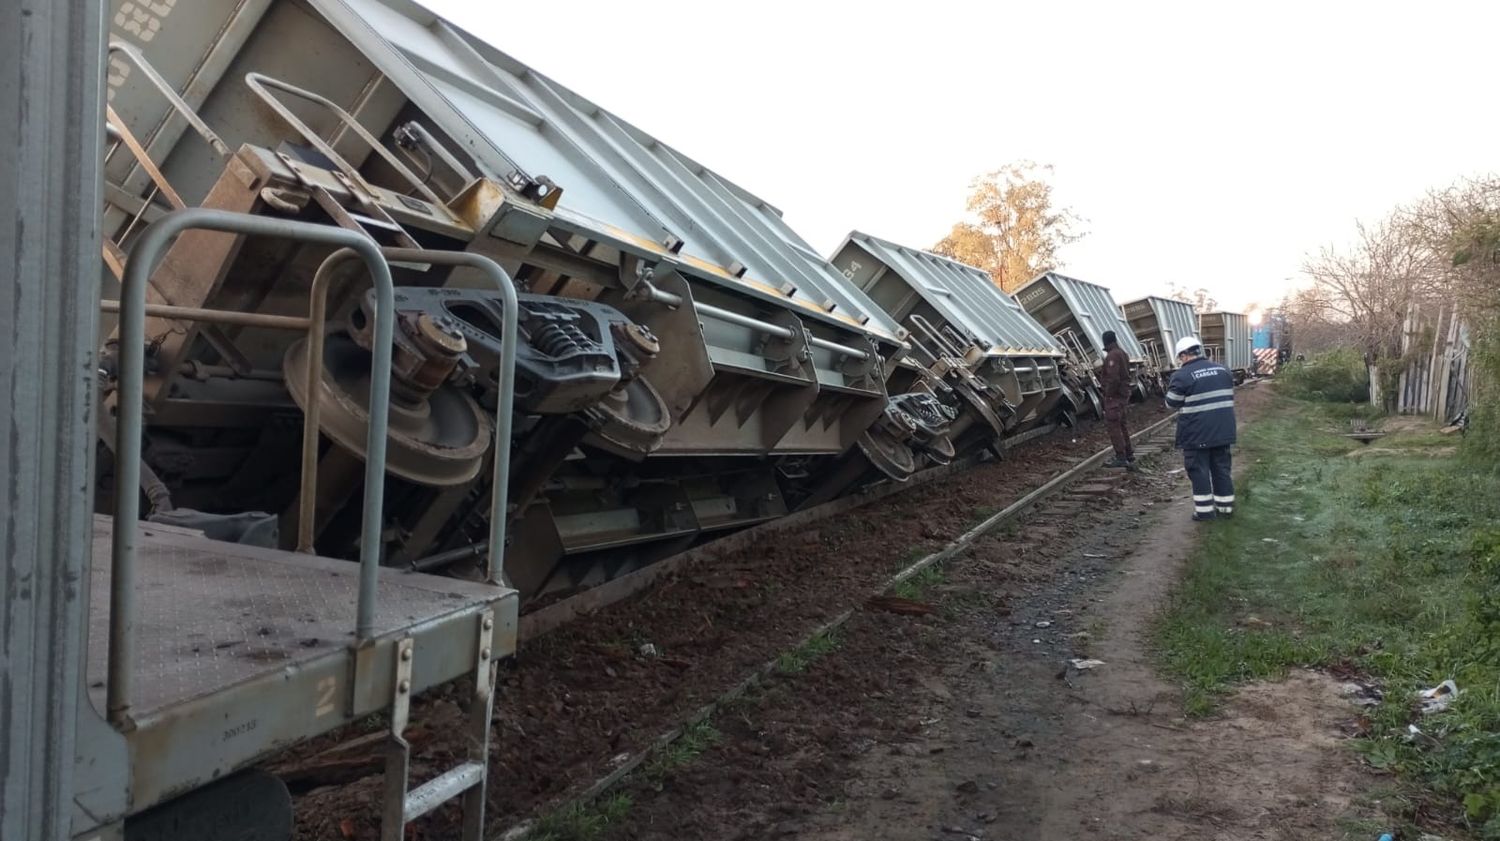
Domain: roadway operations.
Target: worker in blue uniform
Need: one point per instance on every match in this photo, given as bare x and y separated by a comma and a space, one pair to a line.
1203, 392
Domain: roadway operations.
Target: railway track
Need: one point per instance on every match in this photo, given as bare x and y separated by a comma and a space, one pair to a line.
1151, 440
583, 706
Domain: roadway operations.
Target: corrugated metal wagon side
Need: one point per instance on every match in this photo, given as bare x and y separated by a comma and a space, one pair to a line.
1157, 324
1226, 340
964, 328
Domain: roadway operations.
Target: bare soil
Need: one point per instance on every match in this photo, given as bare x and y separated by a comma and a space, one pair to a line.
575, 702
971, 722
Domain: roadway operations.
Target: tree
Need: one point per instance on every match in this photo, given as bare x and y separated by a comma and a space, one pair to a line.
1372, 286
1315, 329
1202, 300
1460, 225
1014, 231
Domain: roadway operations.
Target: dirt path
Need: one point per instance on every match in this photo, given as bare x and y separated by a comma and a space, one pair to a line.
970, 722
575, 701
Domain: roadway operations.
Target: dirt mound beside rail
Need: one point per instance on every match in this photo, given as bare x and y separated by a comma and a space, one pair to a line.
576, 700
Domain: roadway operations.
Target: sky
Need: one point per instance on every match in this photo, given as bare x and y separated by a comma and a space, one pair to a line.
1206, 144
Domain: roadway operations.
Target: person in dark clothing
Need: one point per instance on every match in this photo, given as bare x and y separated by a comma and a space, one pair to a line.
1203, 390
1114, 377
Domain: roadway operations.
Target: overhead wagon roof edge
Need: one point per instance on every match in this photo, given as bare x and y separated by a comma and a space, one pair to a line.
613, 175
964, 294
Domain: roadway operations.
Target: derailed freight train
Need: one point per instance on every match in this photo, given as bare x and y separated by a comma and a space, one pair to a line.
683, 364
686, 364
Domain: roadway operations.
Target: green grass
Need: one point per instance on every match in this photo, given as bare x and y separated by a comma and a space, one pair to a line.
798, 659
1390, 563
916, 587
582, 821
694, 740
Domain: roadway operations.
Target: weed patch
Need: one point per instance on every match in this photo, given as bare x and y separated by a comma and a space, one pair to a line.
916, 587
798, 659
582, 821
694, 740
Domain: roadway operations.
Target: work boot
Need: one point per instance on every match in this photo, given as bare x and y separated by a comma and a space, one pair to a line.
1224, 515
1118, 462
1130, 465
1203, 518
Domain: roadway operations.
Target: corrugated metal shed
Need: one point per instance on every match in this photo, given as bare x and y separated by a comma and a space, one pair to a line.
963, 295
615, 178
1164, 320
1090, 309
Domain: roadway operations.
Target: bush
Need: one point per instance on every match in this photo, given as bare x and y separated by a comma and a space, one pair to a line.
1482, 438
1336, 376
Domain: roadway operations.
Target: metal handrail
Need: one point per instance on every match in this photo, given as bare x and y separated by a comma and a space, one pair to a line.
130, 393
259, 82
672, 299
307, 504
178, 104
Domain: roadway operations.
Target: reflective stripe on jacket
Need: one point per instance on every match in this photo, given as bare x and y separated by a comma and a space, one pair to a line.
1204, 391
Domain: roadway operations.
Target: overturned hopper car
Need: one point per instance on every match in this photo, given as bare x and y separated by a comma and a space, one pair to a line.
1226, 340
1008, 370
1157, 324
1078, 313
686, 363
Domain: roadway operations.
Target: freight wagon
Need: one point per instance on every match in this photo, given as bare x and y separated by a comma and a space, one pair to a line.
1157, 323
1078, 313
1226, 340
1007, 369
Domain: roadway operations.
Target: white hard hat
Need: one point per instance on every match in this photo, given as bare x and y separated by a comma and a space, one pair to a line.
1187, 343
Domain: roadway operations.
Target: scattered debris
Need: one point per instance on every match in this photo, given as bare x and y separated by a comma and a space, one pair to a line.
1094, 556
968, 787
1361, 694
649, 650
1269, 540
1044, 624
1439, 697
1085, 665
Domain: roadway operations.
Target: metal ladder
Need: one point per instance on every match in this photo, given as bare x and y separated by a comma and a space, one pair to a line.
467, 779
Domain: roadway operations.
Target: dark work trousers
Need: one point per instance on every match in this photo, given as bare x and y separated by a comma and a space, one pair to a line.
1213, 487
1114, 421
